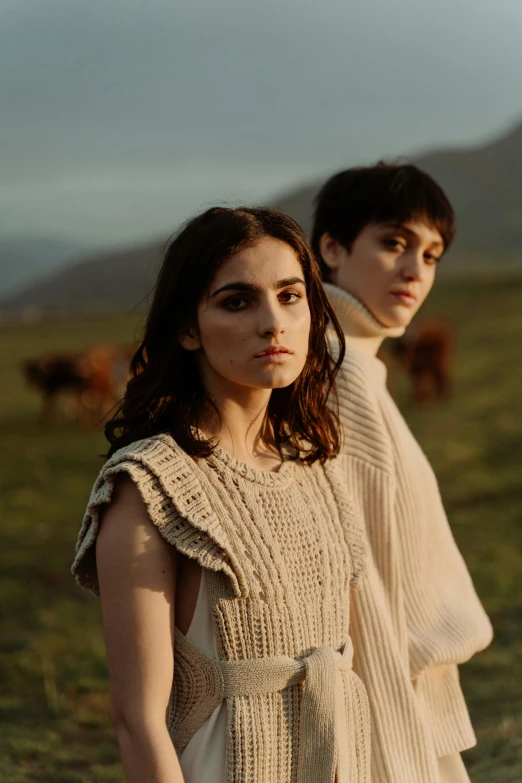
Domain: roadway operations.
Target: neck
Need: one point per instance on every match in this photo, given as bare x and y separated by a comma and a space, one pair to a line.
361, 329
242, 428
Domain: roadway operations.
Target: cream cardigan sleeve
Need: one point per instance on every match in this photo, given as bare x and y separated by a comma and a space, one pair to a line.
445, 620
421, 590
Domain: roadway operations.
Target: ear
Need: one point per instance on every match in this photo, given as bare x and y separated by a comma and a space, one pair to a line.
189, 339
332, 252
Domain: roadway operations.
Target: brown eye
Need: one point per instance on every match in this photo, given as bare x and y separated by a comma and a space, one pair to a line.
235, 303
394, 244
290, 297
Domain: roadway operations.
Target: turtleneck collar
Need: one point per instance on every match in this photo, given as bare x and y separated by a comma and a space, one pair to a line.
362, 330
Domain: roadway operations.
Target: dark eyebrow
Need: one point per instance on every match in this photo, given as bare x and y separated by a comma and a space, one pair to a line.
241, 286
410, 233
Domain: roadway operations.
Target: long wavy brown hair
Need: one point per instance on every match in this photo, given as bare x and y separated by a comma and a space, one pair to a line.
165, 393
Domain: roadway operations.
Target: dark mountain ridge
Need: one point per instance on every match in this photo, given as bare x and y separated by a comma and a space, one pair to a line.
25, 259
484, 184
123, 278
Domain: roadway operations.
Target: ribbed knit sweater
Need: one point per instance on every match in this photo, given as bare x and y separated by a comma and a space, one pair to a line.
416, 615
282, 553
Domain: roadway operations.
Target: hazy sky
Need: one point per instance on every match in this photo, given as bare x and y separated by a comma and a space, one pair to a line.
120, 118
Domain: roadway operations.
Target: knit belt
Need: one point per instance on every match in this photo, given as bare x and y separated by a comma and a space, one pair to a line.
323, 732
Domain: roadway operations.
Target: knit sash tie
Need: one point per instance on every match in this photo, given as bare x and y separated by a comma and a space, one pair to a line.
323, 734
325, 755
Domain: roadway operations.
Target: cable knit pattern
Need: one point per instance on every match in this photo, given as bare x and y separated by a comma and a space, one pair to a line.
282, 551
417, 614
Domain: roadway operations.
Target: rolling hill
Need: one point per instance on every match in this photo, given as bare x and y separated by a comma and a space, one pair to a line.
485, 188
25, 259
118, 279
484, 185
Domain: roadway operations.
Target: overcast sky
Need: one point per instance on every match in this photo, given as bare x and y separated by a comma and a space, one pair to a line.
120, 118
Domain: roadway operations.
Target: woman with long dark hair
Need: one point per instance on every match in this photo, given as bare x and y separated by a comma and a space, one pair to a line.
218, 532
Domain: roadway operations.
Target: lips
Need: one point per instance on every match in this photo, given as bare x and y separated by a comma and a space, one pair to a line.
405, 294
273, 350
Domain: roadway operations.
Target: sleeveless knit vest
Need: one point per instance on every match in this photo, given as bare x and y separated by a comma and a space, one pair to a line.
282, 551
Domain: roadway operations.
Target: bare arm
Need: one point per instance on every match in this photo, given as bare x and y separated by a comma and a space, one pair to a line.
137, 576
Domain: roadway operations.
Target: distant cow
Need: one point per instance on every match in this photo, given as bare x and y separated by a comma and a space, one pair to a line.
426, 353
95, 379
52, 375
104, 369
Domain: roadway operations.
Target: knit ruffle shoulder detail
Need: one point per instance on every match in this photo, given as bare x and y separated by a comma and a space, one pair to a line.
169, 483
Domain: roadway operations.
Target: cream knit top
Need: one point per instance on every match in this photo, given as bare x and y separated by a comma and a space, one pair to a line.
281, 552
416, 615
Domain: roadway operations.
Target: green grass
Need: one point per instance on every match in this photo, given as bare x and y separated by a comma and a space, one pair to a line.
54, 706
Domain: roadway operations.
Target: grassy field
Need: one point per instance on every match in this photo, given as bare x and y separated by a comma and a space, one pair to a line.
54, 706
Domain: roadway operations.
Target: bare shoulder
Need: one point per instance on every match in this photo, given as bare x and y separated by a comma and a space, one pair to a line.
126, 502
125, 521
126, 494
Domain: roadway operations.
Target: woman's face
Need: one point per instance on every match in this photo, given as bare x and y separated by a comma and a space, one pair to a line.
390, 267
253, 326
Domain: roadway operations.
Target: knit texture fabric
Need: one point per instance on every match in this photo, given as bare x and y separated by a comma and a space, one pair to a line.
417, 614
282, 552
355, 318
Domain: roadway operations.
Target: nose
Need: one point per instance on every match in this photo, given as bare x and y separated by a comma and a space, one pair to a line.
412, 265
270, 320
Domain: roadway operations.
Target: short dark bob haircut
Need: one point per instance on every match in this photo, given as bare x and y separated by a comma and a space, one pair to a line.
165, 393
384, 193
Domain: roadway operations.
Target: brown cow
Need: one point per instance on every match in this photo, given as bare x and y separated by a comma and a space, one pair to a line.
426, 353
104, 369
96, 380
51, 376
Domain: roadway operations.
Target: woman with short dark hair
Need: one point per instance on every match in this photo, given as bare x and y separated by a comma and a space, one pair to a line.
379, 233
